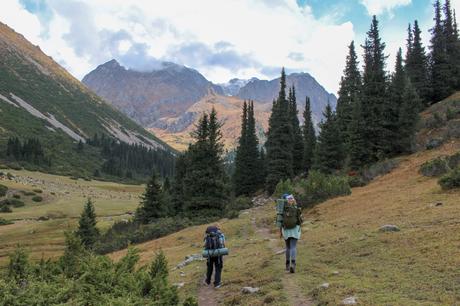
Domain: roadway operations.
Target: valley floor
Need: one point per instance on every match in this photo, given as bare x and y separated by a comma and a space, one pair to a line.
341, 246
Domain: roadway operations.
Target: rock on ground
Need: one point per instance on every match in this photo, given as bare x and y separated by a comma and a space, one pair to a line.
250, 290
189, 259
389, 228
350, 301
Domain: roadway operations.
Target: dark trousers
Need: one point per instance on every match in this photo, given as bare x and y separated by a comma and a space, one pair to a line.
218, 263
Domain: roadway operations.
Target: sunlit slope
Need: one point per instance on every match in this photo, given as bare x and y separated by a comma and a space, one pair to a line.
342, 246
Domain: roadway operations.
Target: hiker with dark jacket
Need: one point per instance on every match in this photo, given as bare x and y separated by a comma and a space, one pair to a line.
290, 230
214, 240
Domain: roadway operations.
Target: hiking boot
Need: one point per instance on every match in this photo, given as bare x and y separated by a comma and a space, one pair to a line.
287, 265
218, 286
292, 268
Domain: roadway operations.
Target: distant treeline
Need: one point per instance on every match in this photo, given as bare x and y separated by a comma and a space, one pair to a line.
131, 160
30, 150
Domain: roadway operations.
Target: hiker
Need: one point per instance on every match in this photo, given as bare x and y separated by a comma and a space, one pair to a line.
290, 229
214, 244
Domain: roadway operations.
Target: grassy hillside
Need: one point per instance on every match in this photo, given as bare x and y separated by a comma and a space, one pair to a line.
341, 245
40, 226
39, 99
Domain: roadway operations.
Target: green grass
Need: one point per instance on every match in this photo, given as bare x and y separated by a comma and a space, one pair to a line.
63, 201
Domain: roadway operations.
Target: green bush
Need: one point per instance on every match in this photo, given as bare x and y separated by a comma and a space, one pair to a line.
82, 278
283, 187
451, 180
380, 168
5, 222
38, 191
450, 114
28, 193
319, 187
356, 181
16, 196
435, 167
16, 203
3, 190
5, 208
37, 199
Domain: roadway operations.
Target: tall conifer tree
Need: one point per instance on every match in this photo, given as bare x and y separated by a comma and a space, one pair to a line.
152, 204
298, 145
357, 150
279, 142
349, 86
329, 155
309, 137
417, 64
374, 95
439, 63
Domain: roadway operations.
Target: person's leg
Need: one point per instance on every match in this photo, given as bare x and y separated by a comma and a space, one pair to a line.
288, 253
209, 270
293, 253
217, 276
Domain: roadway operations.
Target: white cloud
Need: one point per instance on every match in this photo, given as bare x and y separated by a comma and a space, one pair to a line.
377, 7
259, 33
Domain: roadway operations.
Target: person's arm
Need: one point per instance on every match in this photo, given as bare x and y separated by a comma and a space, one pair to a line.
281, 232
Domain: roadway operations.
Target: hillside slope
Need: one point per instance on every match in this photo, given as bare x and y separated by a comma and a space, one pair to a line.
40, 99
341, 245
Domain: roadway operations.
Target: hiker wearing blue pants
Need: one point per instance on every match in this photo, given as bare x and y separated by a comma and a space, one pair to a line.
290, 231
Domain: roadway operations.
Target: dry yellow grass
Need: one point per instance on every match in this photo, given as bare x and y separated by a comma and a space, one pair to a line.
416, 266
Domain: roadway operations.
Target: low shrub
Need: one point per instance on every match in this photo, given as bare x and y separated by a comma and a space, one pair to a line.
37, 199
16, 203
5, 222
435, 167
451, 180
28, 193
5, 208
3, 190
380, 168
232, 210
319, 187
38, 191
16, 196
286, 186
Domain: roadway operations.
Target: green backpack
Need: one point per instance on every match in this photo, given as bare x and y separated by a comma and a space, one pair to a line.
290, 216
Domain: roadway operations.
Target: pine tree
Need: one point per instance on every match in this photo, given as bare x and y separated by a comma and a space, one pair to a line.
254, 177
329, 153
241, 159
408, 118
396, 98
358, 151
417, 64
279, 144
177, 197
87, 230
309, 137
439, 64
205, 182
452, 45
152, 204
298, 145
374, 98
349, 86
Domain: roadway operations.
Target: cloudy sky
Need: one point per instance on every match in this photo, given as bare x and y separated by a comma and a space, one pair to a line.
220, 38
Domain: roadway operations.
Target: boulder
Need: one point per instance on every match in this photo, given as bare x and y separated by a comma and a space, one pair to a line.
389, 228
350, 301
324, 286
249, 290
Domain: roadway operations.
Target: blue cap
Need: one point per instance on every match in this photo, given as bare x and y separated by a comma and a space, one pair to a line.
284, 196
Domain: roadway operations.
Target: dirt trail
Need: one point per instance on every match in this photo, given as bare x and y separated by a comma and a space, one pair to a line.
292, 289
207, 296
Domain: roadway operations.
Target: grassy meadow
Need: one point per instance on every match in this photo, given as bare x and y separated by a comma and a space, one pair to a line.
342, 246
40, 226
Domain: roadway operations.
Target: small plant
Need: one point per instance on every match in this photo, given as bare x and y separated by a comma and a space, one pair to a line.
3, 190
16, 196
37, 199
16, 203
5, 222
28, 193
435, 167
451, 180
284, 187
38, 191
450, 114
5, 208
